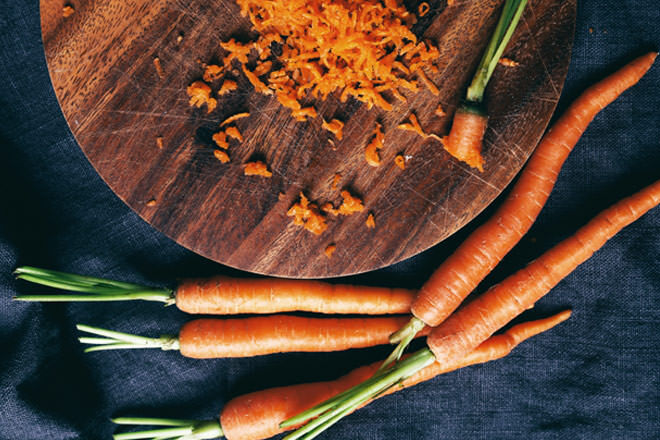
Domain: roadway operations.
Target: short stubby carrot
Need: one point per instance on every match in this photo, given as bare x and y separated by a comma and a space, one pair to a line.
260, 335
258, 415
222, 295
474, 323
487, 245
466, 135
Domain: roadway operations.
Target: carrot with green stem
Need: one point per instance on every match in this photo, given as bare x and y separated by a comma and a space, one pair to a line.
465, 138
258, 415
223, 295
474, 323
476, 257
243, 337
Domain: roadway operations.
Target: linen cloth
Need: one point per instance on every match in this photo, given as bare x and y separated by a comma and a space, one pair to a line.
597, 376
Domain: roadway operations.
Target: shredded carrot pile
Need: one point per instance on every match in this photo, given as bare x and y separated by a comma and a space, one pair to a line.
256, 168
363, 49
306, 214
371, 152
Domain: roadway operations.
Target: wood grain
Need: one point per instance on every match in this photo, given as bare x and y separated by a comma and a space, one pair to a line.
101, 64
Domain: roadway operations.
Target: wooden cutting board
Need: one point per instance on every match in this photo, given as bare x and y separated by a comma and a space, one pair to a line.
101, 62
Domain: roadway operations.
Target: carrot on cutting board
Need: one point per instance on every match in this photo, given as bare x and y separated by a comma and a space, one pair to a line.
244, 337
460, 274
258, 415
223, 295
474, 323
465, 138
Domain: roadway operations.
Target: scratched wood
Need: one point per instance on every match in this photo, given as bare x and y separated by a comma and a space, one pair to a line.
101, 65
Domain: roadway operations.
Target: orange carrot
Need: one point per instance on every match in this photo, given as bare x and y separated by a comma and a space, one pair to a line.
487, 245
244, 337
473, 324
466, 135
228, 296
258, 415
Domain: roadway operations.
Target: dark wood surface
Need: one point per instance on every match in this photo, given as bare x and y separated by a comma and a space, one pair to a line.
101, 64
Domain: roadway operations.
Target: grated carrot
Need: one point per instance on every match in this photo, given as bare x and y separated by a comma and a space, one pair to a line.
256, 168
233, 118
440, 111
227, 86
376, 143
212, 72
400, 161
329, 250
335, 126
303, 114
350, 204
68, 11
234, 133
370, 222
306, 214
508, 62
413, 126
200, 94
159, 68
220, 139
423, 9
221, 156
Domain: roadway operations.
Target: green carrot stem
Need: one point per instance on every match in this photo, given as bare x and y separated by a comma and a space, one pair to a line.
364, 392
509, 18
403, 336
91, 288
117, 340
188, 429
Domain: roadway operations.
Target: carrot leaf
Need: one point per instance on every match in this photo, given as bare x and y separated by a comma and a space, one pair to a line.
113, 340
185, 429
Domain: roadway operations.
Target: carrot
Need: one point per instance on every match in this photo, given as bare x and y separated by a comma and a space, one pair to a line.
223, 338
258, 415
465, 138
223, 295
460, 274
471, 325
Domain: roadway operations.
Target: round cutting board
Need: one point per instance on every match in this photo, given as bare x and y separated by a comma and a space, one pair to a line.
120, 107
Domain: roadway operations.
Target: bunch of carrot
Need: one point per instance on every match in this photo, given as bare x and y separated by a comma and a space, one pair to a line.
457, 338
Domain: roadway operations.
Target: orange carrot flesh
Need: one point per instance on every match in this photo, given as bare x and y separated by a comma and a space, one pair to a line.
257, 415
475, 322
221, 338
464, 141
487, 245
228, 296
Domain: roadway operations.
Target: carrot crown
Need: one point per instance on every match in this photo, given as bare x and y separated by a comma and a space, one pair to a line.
88, 288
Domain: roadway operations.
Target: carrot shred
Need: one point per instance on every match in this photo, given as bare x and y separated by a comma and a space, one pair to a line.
159, 142
370, 222
68, 11
234, 133
233, 118
329, 250
212, 72
227, 86
220, 139
256, 168
335, 126
335, 181
428, 83
439, 111
413, 126
400, 161
303, 114
351, 204
306, 214
376, 143
423, 9
508, 62
221, 156
159, 68
200, 94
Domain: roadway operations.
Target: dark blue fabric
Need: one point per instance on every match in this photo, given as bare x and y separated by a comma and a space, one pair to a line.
596, 376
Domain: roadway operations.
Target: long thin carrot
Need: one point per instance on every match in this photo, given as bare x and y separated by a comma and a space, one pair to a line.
258, 415
223, 295
476, 322
244, 337
460, 274
465, 138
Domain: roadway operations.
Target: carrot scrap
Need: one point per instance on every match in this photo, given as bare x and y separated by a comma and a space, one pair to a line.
329, 250
306, 214
220, 139
159, 68
428, 83
413, 126
330, 209
376, 143
221, 156
335, 181
256, 168
259, 87
440, 111
159, 142
200, 94
151, 203
508, 62
233, 118
281, 196
423, 9
212, 72
370, 222
179, 38
227, 86
350, 204
234, 133
335, 126
68, 11
400, 161
303, 114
